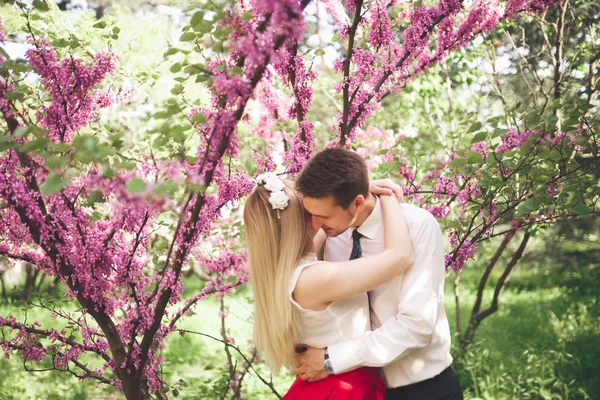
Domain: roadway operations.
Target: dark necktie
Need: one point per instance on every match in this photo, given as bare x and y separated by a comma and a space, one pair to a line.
356, 249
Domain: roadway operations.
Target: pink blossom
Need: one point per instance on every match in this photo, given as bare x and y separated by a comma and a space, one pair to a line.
70, 84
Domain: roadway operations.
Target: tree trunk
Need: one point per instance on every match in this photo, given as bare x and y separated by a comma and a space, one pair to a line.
3, 286
560, 27
29, 282
488, 272
457, 301
132, 390
52, 285
40, 282
477, 317
100, 10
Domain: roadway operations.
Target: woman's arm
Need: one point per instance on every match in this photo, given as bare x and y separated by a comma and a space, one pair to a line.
325, 282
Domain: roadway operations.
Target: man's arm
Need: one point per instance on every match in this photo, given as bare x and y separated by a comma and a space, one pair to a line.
412, 328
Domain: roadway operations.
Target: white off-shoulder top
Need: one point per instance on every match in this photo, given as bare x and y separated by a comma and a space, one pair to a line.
341, 320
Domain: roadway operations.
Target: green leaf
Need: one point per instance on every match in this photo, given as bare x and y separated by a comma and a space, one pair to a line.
40, 5
170, 52
100, 25
177, 89
219, 15
319, 52
217, 47
4, 53
499, 132
55, 162
556, 104
532, 120
530, 205
481, 136
175, 68
193, 69
14, 95
457, 162
197, 18
165, 189
335, 38
475, 127
581, 209
35, 145
22, 131
53, 184
509, 163
136, 185
203, 26
61, 147
60, 42
107, 172
187, 37
541, 188
247, 16
199, 118
474, 157
8, 145
391, 166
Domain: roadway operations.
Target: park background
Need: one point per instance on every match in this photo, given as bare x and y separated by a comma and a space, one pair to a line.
518, 84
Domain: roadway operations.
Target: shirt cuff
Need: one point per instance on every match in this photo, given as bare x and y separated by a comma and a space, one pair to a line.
344, 356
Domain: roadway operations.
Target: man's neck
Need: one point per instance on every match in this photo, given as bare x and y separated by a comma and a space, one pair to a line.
370, 203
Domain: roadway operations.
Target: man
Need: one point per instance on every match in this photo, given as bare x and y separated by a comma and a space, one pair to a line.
410, 337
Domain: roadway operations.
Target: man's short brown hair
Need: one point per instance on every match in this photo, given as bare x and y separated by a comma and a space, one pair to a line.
335, 172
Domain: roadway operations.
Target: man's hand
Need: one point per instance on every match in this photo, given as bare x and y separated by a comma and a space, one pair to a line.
310, 365
386, 187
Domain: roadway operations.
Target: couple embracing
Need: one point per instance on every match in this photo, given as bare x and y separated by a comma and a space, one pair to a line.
366, 322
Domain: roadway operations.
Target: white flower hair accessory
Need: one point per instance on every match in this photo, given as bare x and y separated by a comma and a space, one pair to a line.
278, 199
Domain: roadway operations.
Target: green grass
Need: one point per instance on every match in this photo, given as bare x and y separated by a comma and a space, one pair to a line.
543, 343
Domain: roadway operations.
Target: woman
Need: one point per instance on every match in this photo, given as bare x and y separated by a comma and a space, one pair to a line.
289, 309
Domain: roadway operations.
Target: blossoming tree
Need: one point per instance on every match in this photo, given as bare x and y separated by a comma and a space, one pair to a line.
74, 208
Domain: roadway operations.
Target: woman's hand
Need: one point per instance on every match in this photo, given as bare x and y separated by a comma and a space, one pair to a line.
386, 187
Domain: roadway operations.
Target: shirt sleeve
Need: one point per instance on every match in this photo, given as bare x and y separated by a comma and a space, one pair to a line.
421, 297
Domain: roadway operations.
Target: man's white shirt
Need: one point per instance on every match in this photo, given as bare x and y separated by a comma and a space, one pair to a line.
410, 337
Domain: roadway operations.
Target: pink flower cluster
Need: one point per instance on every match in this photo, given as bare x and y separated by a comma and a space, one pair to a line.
2, 40
401, 48
70, 84
462, 252
472, 189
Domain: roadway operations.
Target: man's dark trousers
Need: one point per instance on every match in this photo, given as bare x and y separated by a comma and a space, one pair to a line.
444, 386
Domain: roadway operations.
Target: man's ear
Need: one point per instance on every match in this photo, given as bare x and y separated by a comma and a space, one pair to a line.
359, 203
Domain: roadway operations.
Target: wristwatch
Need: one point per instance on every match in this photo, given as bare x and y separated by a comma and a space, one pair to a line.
328, 366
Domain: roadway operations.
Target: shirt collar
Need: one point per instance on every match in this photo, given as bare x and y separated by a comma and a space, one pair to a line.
373, 222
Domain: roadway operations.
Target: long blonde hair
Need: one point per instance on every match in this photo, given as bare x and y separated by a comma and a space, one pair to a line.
276, 245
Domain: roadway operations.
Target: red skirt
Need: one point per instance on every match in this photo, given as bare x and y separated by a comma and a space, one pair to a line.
360, 384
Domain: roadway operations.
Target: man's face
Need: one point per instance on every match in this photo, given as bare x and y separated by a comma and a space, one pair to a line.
326, 214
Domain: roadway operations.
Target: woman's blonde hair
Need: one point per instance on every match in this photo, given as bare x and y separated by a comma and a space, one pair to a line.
276, 245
